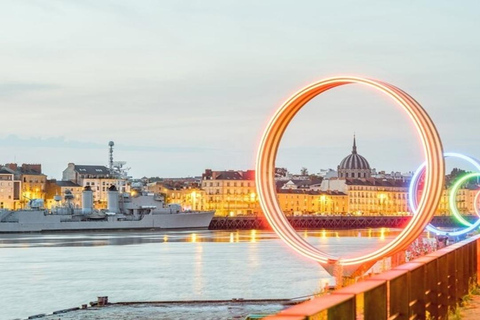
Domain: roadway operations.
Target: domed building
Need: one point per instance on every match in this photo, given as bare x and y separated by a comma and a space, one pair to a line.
354, 165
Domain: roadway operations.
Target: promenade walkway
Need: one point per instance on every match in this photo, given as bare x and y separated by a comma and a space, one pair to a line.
471, 309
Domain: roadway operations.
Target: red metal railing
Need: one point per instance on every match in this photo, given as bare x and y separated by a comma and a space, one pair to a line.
425, 288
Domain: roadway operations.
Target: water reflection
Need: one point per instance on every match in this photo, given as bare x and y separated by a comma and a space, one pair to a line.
253, 235
173, 265
135, 238
382, 234
198, 281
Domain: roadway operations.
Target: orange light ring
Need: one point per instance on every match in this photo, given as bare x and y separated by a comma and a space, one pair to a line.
266, 165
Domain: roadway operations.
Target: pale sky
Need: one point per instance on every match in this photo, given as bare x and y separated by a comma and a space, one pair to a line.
182, 86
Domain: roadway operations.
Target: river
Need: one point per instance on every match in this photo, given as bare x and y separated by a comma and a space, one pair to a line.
42, 273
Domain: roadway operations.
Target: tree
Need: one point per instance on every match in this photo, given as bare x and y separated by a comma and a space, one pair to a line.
452, 177
304, 171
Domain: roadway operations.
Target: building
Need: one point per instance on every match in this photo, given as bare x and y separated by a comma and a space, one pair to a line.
30, 180
98, 178
187, 194
372, 193
230, 192
9, 190
59, 188
377, 196
301, 201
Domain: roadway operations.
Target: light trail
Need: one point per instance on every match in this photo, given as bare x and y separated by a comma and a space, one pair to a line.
267, 152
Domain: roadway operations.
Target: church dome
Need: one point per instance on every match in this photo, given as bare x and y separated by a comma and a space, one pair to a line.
354, 165
354, 161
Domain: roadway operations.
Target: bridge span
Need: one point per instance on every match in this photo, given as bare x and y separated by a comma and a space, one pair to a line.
329, 222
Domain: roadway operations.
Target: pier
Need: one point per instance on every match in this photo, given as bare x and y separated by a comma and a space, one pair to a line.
328, 222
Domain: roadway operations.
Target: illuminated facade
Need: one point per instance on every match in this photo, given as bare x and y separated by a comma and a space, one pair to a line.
30, 180
465, 202
230, 192
377, 196
189, 197
296, 202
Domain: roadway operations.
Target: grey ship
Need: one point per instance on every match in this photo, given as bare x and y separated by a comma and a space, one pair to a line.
125, 212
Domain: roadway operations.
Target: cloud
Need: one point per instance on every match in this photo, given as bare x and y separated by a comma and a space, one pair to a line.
62, 143
16, 88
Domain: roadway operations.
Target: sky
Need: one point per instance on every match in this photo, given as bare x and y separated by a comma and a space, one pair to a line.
182, 86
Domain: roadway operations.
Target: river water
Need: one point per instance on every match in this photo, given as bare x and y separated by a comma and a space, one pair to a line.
41, 273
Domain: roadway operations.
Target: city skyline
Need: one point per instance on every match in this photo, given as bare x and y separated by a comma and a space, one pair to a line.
181, 87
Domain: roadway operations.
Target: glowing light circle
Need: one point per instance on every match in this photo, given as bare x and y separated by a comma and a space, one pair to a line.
412, 198
475, 203
453, 194
270, 142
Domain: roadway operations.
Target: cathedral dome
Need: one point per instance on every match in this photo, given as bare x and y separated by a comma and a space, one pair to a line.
354, 165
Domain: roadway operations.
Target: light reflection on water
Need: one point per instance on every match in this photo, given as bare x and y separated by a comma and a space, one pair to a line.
42, 273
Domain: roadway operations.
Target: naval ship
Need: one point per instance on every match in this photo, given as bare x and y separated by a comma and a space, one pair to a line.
145, 211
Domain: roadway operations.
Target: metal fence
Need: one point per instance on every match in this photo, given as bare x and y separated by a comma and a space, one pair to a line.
425, 288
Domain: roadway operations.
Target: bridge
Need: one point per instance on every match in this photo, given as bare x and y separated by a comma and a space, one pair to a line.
329, 222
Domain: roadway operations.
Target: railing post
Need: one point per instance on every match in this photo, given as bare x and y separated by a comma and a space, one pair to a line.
433, 303
452, 280
415, 288
344, 310
370, 298
397, 296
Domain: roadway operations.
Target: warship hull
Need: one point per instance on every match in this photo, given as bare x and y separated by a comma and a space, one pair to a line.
42, 221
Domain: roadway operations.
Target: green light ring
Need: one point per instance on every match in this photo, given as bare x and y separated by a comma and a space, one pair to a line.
453, 194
